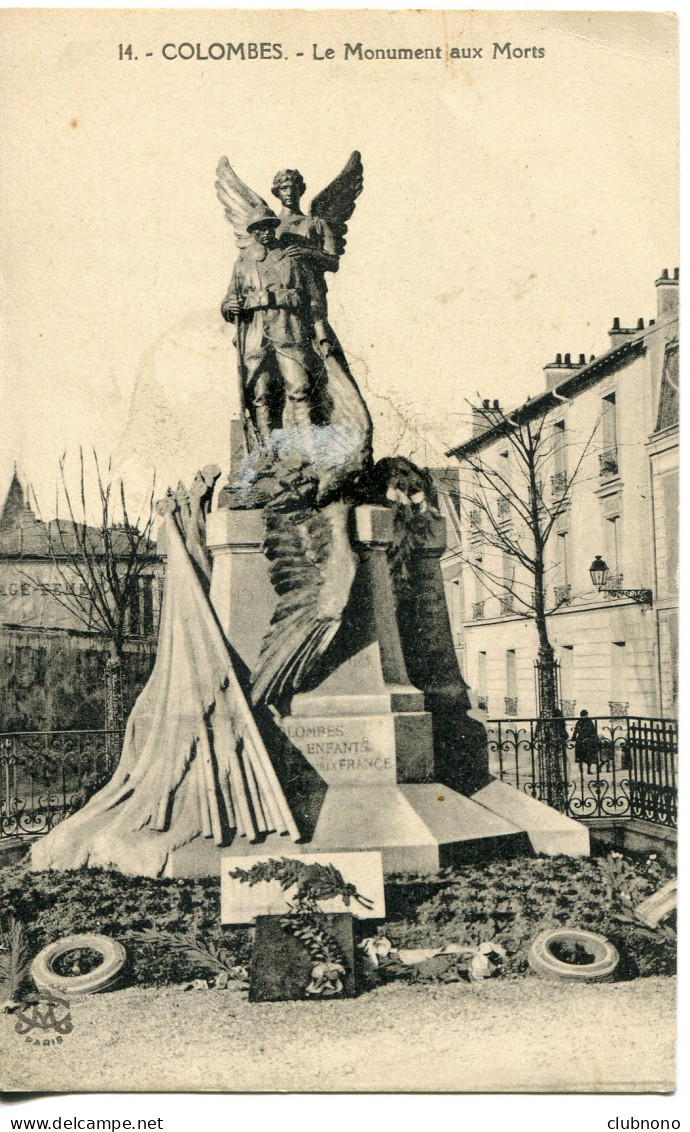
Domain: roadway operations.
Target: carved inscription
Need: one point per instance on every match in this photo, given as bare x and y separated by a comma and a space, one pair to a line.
340, 748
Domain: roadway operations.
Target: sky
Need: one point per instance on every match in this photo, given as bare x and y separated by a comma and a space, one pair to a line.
511, 209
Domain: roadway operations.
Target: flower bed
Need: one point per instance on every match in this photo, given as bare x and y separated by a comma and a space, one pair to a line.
509, 902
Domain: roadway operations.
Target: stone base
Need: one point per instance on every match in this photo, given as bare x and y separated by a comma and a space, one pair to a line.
418, 828
549, 831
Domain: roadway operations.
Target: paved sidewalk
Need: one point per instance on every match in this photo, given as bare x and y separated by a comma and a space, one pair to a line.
521, 1036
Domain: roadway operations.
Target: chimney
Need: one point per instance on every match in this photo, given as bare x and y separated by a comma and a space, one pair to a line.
619, 334
562, 368
667, 296
481, 418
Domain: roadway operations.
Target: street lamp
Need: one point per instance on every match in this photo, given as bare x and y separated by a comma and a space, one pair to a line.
599, 573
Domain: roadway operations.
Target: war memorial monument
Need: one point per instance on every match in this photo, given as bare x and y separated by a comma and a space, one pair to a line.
306, 696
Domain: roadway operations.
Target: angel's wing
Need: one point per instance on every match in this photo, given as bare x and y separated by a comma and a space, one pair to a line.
312, 569
336, 202
238, 200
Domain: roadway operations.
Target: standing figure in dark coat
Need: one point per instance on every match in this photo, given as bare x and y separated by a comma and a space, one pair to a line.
586, 741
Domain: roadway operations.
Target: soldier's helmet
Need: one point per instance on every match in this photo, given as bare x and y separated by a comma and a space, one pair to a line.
285, 177
262, 214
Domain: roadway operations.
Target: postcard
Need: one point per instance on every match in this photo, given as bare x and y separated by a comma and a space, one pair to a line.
339, 551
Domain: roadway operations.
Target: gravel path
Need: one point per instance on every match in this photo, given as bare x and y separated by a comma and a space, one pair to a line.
521, 1036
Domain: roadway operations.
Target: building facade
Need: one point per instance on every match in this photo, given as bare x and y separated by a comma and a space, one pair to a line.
612, 472
53, 653
38, 585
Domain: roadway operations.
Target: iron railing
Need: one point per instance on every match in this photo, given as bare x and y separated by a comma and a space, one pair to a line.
559, 483
608, 462
626, 767
47, 775
562, 594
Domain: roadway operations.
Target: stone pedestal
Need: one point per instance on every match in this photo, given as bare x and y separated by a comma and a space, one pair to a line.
366, 732
241, 592
359, 747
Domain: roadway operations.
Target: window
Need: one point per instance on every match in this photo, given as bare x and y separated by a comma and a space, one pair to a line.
560, 456
669, 487
147, 606
608, 457
612, 537
508, 570
134, 618
609, 426
481, 680
456, 617
141, 609
620, 679
563, 564
562, 590
479, 591
511, 703
567, 659
511, 673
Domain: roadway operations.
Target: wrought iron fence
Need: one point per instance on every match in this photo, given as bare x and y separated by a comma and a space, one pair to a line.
47, 775
618, 767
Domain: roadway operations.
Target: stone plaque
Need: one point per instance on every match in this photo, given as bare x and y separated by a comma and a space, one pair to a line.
242, 903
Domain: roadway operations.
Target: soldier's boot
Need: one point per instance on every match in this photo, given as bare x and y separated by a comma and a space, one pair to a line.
262, 423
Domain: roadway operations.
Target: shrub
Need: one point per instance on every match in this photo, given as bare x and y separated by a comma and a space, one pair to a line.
507, 902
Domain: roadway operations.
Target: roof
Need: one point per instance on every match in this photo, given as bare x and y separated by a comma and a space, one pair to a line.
57, 539
13, 505
536, 406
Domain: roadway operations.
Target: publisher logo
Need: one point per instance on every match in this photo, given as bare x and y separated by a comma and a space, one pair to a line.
44, 1020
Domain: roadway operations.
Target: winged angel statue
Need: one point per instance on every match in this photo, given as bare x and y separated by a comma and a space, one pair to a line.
296, 387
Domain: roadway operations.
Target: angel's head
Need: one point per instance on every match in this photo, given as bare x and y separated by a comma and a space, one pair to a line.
289, 187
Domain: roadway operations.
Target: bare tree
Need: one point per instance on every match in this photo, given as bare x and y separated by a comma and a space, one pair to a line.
99, 562
516, 513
